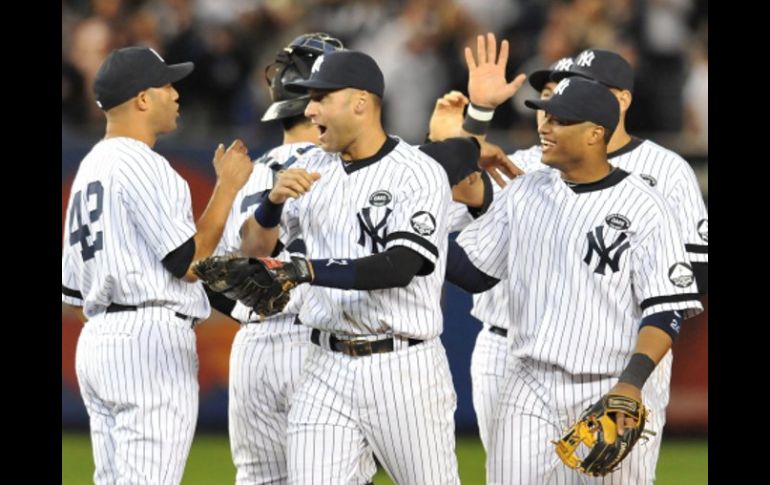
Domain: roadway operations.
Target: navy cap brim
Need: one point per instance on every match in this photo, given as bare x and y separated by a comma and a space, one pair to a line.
557, 76
539, 79
553, 107
177, 72
305, 86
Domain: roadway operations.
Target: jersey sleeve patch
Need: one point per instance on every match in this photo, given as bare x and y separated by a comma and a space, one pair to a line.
423, 223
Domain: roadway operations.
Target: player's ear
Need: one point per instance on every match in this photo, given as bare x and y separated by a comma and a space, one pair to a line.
360, 102
595, 134
624, 98
142, 100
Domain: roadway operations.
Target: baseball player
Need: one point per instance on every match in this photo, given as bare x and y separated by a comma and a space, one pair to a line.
128, 243
372, 212
660, 167
267, 357
490, 355
598, 284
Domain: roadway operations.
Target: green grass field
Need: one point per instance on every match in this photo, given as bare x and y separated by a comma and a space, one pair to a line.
680, 463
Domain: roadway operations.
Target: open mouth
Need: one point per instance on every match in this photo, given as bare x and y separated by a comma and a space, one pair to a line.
546, 144
322, 129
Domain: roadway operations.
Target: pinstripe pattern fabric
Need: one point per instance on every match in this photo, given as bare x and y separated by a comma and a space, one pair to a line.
137, 373
488, 363
327, 219
267, 358
576, 320
398, 403
146, 213
557, 292
244, 205
538, 403
137, 370
676, 181
401, 403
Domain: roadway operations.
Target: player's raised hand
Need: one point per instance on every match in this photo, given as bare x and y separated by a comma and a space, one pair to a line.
292, 183
447, 118
233, 166
494, 160
486, 78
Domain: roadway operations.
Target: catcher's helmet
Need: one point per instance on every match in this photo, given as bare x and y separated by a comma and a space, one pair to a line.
293, 63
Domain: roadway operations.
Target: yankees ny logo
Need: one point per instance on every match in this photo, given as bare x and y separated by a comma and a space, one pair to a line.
559, 89
585, 59
373, 230
563, 65
317, 65
596, 245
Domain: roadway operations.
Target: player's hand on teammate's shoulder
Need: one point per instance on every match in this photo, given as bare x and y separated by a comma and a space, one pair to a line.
292, 183
487, 87
494, 160
447, 118
233, 166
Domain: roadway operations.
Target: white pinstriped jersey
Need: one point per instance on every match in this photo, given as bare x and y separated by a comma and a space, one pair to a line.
245, 204
675, 179
398, 198
127, 210
491, 306
582, 268
661, 168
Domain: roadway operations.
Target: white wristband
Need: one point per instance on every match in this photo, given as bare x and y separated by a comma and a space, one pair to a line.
479, 113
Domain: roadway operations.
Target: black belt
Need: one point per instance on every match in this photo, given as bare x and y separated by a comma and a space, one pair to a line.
358, 348
117, 307
503, 332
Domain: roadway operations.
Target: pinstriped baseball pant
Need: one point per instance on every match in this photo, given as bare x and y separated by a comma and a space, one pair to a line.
488, 363
137, 373
265, 368
400, 403
537, 404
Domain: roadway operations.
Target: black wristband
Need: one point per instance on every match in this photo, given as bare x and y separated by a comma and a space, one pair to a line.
477, 119
268, 214
638, 370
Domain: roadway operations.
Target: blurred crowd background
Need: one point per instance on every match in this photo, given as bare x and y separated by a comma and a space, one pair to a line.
418, 44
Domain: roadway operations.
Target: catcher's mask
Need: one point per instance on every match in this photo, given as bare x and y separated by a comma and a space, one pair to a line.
293, 63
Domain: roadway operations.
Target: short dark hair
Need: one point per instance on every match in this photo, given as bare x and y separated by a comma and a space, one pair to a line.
292, 121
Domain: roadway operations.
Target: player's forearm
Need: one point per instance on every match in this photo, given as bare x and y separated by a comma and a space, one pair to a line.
653, 342
258, 241
460, 271
652, 345
211, 224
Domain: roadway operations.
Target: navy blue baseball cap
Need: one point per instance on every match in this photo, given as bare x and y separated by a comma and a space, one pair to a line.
539, 79
342, 69
130, 70
607, 67
579, 99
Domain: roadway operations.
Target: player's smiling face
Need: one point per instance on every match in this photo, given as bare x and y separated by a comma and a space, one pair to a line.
332, 112
562, 141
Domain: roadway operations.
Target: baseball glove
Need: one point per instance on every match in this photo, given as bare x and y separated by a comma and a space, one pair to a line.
596, 428
262, 284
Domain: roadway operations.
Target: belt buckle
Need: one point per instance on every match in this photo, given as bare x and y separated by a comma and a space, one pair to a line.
359, 347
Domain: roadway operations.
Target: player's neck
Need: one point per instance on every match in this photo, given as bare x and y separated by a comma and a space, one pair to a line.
587, 173
137, 131
366, 145
620, 137
301, 133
